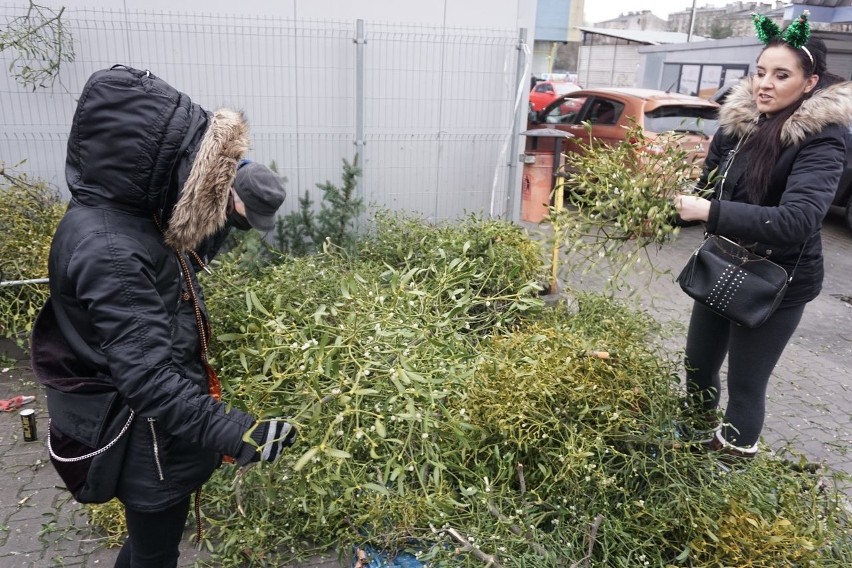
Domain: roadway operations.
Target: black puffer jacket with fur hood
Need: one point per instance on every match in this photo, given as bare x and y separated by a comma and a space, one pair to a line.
801, 187
139, 149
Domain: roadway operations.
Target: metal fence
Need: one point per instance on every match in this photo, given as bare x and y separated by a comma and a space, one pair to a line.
434, 112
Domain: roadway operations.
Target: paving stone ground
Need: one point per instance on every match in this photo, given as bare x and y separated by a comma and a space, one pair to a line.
809, 411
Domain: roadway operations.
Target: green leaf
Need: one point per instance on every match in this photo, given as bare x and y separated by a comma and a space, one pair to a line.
306, 457
335, 453
377, 488
267, 362
256, 303
380, 428
230, 337
319, 313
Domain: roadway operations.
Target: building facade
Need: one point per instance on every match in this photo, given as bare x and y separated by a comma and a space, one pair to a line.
703, 68
612, 57
641, 20
734, 19
557, 36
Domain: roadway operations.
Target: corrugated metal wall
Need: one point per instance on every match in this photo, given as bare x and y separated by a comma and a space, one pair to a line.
613, 65
439, 104
840, 64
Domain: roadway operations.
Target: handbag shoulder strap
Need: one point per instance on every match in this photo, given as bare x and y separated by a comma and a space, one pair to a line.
732, 153
801, 252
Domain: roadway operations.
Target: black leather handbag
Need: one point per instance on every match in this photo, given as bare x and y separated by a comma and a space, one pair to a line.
734, 282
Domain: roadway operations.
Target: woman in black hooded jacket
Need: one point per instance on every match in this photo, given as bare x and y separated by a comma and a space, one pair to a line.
149, 174
780, 152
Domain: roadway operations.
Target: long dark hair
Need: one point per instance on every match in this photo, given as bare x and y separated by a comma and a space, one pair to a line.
764, 145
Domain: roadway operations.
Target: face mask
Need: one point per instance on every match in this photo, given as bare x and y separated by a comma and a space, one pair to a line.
238, 221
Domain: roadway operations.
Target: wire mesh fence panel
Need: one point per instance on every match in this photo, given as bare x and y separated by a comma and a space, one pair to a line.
437, 101
438, 111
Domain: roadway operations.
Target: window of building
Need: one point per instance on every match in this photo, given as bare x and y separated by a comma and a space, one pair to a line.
700, 79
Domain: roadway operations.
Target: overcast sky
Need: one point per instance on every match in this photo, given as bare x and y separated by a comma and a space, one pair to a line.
600, 10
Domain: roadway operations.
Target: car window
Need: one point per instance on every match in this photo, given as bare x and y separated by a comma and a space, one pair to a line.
604, 111
677, 118
565, 111
543, 88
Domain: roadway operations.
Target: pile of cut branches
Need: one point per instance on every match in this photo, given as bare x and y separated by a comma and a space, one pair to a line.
443, 410
27, 222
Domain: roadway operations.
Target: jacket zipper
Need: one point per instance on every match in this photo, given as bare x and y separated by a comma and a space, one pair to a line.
151, 422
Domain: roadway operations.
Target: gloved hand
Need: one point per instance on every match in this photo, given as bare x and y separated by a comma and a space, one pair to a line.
272, 436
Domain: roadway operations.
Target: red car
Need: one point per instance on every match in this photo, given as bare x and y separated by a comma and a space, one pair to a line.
546, 92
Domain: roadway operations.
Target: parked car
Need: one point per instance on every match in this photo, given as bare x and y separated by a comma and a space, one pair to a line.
544, 92
722, 94
610, 111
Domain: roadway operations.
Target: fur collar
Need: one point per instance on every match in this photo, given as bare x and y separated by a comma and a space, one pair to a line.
831, 105
201, 209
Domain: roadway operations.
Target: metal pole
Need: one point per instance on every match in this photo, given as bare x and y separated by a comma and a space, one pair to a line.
558, 200
513, 188
691, 23
554, 46
612, 67
22, 282
360, 42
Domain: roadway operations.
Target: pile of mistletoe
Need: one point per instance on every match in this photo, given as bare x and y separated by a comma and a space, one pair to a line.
445, 411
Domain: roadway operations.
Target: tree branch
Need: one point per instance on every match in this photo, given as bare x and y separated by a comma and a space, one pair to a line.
467, 546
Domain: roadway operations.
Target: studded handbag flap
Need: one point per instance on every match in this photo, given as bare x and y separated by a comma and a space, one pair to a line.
734, 282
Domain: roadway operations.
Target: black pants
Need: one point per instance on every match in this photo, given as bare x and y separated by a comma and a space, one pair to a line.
752, 355
153, 538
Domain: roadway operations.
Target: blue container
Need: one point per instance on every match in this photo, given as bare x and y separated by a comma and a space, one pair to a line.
383, 560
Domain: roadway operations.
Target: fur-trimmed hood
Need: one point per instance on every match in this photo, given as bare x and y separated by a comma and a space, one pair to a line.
201, 209
140, 146
831, 105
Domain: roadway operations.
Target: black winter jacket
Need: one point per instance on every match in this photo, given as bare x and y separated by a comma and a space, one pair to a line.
801, 187
138, 148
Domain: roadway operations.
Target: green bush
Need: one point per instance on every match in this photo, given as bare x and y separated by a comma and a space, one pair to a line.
508, 257
305, 232
28, 219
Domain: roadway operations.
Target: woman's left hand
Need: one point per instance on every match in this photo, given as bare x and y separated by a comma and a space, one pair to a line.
692, 208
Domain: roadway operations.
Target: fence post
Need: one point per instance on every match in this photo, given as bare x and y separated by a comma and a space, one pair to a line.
360, 42
512, 186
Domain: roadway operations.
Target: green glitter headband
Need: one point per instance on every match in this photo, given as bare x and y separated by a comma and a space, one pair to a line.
796, 34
